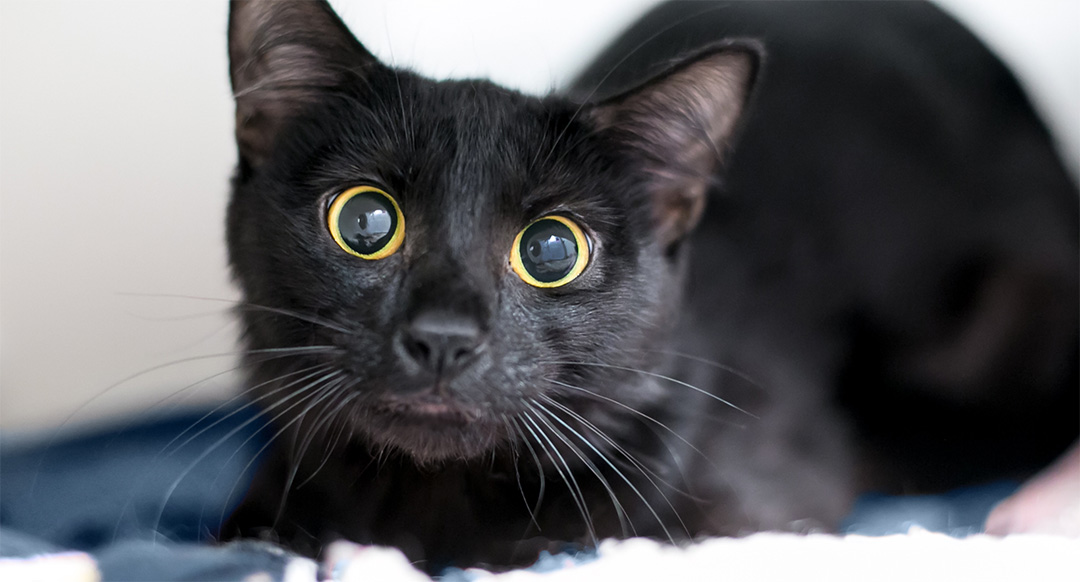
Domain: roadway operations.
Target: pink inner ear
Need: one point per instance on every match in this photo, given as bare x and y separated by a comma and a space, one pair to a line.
273, 85
693, 107
682, 122
693, 111
676, 212
284, 55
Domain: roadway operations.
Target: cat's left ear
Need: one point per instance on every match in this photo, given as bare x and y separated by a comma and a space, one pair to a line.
283, 56
680, 124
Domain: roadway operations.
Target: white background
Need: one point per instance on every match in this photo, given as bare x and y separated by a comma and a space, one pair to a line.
116, 148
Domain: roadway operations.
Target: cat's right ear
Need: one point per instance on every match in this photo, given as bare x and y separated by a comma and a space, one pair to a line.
680, 124
284, 55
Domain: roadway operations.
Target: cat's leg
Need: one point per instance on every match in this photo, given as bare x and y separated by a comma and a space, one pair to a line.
783, 461
791, 469
259, 515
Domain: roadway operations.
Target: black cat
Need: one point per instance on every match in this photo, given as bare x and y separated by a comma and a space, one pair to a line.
482, 322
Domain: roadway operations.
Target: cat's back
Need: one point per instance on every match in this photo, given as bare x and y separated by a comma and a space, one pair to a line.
893, 205
874, 120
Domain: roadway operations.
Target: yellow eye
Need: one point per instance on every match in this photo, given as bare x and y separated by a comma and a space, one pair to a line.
366, 222
550, 252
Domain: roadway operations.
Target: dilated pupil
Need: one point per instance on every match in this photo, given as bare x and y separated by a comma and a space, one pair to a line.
549, 250
367, 222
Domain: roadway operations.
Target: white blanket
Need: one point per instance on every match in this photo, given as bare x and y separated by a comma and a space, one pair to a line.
915, 557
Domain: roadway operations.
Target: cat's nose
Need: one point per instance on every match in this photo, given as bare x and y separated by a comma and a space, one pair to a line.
441, 342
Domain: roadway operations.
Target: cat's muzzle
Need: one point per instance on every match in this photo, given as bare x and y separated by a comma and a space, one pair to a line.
431, 427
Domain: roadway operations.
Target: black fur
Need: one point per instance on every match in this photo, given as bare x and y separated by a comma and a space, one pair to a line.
881, 288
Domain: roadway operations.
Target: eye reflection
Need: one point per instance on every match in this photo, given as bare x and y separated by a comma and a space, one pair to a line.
552, 257
366, 222
550, 252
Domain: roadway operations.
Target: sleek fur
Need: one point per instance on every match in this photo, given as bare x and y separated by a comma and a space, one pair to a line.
882, 284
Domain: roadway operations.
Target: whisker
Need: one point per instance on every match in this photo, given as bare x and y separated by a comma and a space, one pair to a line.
634, 461
622, 475
314, 371
311, 400
397, 81
242, 394
515, 437
232, 490
638, 413
165, 449
575, 491
729, 369
56, 432
651, 476
624, 520
327, 414
540, 472
328, 391
655, 375
252, 306
337, 438
228, 435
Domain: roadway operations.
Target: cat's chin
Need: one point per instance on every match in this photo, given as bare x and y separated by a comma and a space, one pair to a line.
431, 430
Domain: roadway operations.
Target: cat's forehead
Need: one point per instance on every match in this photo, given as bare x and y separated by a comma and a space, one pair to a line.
473, 143
480, 127
483, 121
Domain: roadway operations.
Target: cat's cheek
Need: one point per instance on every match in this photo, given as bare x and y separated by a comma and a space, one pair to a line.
520, 352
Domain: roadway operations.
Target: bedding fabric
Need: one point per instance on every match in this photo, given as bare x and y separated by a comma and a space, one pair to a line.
143, 501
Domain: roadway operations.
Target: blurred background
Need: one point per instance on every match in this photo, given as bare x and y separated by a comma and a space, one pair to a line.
116, 149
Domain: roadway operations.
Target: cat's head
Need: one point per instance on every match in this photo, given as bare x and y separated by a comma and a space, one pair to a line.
461, 252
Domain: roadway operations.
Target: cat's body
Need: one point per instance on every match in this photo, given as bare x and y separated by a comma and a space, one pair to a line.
894, 216
881, 290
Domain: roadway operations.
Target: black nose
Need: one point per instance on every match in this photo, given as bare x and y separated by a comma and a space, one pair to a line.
441, 342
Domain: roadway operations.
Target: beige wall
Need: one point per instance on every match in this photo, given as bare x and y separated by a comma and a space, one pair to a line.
115, 150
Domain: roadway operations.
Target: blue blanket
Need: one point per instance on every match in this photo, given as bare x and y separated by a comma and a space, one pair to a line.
146, 499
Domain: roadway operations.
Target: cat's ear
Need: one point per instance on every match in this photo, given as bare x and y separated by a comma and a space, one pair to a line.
680, 124
284, 55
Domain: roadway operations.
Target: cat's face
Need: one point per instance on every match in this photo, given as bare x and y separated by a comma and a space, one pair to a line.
424, 264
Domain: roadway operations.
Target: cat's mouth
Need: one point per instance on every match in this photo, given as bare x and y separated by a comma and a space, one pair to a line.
431, 428
430, 409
